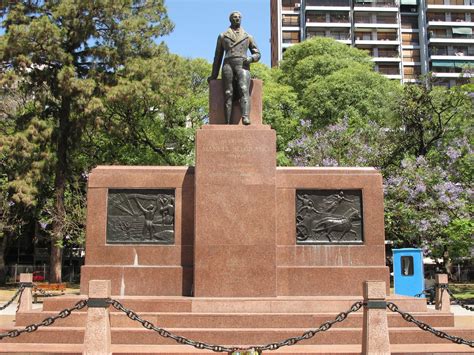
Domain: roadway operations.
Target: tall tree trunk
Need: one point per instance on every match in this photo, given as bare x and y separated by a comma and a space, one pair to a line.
3, 269
55, 265
448, 265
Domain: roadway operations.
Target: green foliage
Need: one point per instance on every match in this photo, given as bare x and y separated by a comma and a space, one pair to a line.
280, 108
63, 57
333, 81
319, 57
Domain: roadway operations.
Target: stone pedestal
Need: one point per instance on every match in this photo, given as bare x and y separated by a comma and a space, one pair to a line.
216, 104
140, 268
235, 212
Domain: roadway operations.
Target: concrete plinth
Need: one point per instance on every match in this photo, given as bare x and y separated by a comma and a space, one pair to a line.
235, 212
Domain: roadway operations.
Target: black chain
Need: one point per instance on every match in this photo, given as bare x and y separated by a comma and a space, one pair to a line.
426, 291
17, 293
46, 322
37, 288
456, 300
218, 348
440, 334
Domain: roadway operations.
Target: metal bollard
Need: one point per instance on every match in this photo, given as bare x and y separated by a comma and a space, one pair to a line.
26, 298
442, 299
375, 339
97, 338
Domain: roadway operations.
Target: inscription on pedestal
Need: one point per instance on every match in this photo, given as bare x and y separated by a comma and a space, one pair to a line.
329, 217
140, 216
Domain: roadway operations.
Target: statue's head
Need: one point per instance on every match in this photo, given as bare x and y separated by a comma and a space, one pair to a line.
235, 18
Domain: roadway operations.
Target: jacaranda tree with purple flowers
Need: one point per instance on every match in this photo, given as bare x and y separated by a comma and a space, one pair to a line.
421, 146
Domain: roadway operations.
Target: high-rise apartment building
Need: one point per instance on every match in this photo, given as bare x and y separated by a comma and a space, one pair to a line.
406, 38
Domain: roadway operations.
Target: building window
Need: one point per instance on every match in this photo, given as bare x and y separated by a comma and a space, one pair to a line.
411, 55
290, 5
411, 72
313, 33
458, 16
316, 17
410, 22
436, 16
387, 53
291, 20
328, 3
388, 69
386, 36
291, 37
410, 39
407, 265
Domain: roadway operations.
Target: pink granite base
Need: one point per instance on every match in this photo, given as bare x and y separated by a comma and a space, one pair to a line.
235, 208
216, 104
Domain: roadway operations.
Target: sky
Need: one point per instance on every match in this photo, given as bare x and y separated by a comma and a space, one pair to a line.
199, 22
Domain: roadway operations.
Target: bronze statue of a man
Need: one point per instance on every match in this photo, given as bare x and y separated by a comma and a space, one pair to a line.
233, 45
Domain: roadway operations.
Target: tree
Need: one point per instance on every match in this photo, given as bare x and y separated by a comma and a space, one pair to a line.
153, 111
66, 54
428, 202
280, 108
428, 114
333, 81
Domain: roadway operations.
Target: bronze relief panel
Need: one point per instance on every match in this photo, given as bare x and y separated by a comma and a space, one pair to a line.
139, 216
329, 217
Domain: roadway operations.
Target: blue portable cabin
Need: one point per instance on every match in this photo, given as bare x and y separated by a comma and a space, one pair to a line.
408, 273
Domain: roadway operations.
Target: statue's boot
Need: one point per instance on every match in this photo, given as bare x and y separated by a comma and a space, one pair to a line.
245, 108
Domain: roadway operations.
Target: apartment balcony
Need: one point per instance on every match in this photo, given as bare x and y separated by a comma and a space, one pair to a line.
371, 38
450, 68
376, 5
337, 24
386, 59
450, 75
328, 8
287, 44
343, 37
450, 38
374, 24
454, 58
449, 5
290, 28
328, 5
442, 23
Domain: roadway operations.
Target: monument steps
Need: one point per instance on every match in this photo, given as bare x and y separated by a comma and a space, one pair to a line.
295, 304
239, 336
352, 349
237, 320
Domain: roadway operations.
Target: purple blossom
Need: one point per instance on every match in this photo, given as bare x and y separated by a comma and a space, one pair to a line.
11, 203
43, 225
406, 163
420, 161
395, 181
305, 123
444, 218
424, 225
420, 187
453, 154
330, 162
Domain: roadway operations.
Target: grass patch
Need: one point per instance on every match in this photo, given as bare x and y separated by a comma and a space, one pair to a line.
462, 291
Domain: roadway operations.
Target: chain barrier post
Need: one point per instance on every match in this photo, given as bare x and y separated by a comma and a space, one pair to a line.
97, 338
25, 303
375, 338
443, 302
